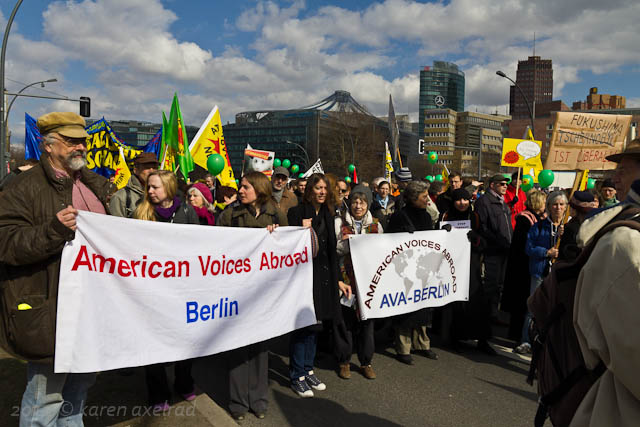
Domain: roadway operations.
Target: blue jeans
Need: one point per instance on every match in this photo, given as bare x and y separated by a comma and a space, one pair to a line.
535, 283
52, 399
302, 352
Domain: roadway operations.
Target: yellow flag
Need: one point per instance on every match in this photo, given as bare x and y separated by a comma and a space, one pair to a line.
388, 163
209, 140
123, 174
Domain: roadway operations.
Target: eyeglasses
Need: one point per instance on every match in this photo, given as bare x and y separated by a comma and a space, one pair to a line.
72, 142
502, 184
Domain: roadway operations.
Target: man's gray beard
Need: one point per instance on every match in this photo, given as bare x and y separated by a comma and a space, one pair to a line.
75, 163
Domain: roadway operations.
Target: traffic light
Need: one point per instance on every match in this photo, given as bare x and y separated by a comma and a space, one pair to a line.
85, 106
421, 146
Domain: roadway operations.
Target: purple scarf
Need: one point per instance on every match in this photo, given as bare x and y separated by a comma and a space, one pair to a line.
167, 213
203, 212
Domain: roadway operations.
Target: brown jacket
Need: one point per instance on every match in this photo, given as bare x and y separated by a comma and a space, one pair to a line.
287, 201
31, 242
241, 216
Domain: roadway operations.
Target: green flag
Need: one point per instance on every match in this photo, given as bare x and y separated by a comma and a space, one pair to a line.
167, 160
178, 139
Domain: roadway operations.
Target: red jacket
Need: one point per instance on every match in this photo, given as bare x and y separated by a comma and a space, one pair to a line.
518, 206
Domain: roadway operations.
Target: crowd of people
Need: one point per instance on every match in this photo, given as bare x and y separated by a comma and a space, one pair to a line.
515, 237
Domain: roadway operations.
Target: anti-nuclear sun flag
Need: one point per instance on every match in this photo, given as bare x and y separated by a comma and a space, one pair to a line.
209, 140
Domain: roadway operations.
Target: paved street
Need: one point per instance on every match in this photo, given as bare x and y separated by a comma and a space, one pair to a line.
467, 389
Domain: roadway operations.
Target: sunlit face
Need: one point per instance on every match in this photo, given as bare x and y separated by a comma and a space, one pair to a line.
343, 190
278, 182
320, 192
422, 201
557, 209
608, 193
209, 181
499, 187
627, 171
67, 153
196, 200
156, 190
246, 193
384, 190
358, 208
456, 182
461, 205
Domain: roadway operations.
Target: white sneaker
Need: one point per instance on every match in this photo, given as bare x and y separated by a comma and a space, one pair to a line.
301, 387
315, 382
524, 348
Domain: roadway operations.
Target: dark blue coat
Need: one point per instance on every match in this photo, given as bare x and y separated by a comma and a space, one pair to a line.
539, 241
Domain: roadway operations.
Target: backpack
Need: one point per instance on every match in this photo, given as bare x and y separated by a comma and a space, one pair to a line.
557, 361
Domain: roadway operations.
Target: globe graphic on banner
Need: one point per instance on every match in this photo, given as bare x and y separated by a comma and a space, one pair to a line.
419, 267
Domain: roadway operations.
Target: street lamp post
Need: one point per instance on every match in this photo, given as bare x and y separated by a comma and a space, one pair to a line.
531, 115
306, 155
6, 116
3, 159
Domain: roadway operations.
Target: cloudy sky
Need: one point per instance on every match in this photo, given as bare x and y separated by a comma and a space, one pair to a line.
130, 56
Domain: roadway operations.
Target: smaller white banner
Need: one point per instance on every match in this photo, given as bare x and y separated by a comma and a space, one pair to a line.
404, 272
135, 293
316, 168
466, 224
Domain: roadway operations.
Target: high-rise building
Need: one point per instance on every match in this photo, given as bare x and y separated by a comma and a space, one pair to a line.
535, 78
441, 87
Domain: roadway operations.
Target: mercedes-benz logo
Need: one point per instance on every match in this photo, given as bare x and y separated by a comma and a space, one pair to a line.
439, 100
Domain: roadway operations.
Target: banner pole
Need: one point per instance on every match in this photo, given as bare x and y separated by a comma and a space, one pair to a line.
576, 184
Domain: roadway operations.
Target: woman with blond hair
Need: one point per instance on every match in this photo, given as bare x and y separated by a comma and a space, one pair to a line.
201, 200
517, 277
161, 204
249, 365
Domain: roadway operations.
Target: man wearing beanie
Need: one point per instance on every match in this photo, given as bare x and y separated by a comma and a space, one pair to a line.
37, 218
608, 191
607, 298
403, 177
124, 201
282, 197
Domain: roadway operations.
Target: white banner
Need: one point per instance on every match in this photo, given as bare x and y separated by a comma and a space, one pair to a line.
135, 293
404, 272
315, 168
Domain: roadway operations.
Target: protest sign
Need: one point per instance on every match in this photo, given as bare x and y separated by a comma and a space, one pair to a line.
156, 292
404, 272
466, 224
583, 140
316, 168
522, 153
258, 161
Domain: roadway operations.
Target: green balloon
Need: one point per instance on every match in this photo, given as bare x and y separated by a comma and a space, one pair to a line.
429, 178
433, 157
507, 176
286, 163
439, 178
591, 183
545, 178
238, 182
277, 163
215, 164
347, 179
301, 175
351, 168
295, 168
527, 183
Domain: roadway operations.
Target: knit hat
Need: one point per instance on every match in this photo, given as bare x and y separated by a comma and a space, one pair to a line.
204, 191
608, 183
582, 201
361, 190
459, 194
403, 175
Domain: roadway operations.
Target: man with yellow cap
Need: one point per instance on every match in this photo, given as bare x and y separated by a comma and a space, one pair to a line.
37, 217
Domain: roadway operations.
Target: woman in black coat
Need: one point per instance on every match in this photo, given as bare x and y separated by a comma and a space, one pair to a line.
517, 278
411, 328
469, 320
316, 211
